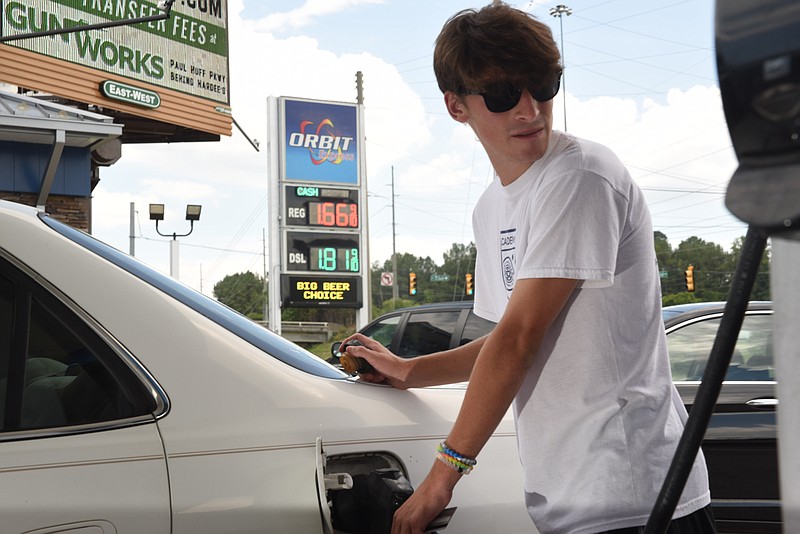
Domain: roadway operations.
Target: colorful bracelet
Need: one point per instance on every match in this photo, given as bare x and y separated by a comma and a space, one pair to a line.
459, 462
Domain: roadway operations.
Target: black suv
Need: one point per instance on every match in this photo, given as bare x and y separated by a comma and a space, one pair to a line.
740, 444
428, 328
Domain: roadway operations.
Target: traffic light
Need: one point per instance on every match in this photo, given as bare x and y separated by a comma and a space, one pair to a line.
690, 278
470, 290
412, 283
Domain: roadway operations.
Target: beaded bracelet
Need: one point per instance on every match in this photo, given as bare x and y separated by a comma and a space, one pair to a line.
459, 462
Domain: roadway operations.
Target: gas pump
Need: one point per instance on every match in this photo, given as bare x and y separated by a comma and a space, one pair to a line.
758, 62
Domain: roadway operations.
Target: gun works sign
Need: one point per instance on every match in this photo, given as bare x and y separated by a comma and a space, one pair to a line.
186, 53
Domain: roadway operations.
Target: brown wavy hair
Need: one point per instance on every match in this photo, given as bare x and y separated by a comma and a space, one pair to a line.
494, 42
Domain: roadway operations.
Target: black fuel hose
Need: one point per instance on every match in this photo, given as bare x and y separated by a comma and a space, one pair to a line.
741, 287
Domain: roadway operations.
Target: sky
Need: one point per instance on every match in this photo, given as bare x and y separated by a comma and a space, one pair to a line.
640, 77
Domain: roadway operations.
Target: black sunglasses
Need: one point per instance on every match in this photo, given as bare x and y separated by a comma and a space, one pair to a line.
504, 96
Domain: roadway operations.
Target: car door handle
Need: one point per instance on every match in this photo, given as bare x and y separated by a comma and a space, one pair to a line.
762, 403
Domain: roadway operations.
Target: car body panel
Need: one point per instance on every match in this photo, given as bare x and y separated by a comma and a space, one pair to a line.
740, 444
232, 446
116, 477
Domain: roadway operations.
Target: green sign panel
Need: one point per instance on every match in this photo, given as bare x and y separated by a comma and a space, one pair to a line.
130, 94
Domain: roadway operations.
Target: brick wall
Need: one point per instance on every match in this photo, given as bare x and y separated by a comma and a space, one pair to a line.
74, 211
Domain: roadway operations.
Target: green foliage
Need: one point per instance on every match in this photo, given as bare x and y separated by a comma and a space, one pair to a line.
244, 292
761, 289
445, 283
323, 350
714, 269
679, 298
391, 305
343, 316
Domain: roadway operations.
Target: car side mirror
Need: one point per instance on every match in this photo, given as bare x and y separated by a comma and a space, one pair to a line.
335, 350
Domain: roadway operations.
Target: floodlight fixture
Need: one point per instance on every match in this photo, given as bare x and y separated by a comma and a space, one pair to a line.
156, 212
192, 215
193, 212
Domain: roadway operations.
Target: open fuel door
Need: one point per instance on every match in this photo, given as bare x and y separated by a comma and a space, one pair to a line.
359, 492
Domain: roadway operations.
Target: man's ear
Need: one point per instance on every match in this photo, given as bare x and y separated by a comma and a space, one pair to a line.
455, 107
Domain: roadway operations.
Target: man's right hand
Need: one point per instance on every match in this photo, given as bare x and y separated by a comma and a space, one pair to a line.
387, 368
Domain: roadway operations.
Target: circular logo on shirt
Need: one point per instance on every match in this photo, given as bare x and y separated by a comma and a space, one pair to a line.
508, 272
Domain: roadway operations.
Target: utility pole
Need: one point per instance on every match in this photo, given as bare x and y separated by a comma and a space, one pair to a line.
132, 234
396, 281
363, 314
266, 278
559, 11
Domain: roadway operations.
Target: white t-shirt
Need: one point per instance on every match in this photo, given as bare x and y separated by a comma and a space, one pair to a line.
598, 418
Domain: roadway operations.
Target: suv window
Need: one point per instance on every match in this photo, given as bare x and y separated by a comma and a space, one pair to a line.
428, 332
690, 347
55, 371
383, 331
476, 327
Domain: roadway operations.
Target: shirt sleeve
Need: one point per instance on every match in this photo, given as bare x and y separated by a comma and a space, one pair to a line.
575, 230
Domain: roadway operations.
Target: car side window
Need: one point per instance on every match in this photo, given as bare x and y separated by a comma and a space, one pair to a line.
690, 347
428, 332
6, 318
475, 328
57, 372
383, 331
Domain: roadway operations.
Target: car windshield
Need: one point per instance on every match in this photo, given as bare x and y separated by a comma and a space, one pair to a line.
231, 320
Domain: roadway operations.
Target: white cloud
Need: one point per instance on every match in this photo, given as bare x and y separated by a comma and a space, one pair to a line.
307, 14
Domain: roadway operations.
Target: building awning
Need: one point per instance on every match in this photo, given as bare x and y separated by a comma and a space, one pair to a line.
32, 120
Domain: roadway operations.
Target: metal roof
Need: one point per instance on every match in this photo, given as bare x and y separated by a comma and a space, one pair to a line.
32, 120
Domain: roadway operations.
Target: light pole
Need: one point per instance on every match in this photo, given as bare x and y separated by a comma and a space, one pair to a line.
559, 11
192, 215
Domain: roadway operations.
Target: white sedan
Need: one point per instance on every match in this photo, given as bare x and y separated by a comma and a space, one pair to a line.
130, 403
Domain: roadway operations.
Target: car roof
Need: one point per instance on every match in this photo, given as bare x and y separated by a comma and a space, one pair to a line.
433, 306
428, 307
681, 312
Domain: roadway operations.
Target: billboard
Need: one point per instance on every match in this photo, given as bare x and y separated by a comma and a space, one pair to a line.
320, 142
319, 237
180, 63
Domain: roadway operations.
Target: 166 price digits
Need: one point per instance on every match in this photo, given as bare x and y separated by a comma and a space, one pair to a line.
333, 214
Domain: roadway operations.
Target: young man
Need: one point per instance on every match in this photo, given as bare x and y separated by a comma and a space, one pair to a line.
566, 267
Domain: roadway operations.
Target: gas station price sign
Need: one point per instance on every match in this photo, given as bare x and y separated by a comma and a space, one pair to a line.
302, 291
323, 252
325, 207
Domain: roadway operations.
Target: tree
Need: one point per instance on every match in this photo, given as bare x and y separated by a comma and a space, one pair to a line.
434, 283
714, 270
663, 250
712, 275
406, 263
761, 287
666, 264
244, 292
458, 261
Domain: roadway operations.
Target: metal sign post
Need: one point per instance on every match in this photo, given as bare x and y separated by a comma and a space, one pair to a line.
318, 239
785, 284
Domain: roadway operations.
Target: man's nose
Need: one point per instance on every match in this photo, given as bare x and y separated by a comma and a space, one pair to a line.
527, 106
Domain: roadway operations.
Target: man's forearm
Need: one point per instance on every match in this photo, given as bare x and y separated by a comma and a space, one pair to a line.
445, 367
